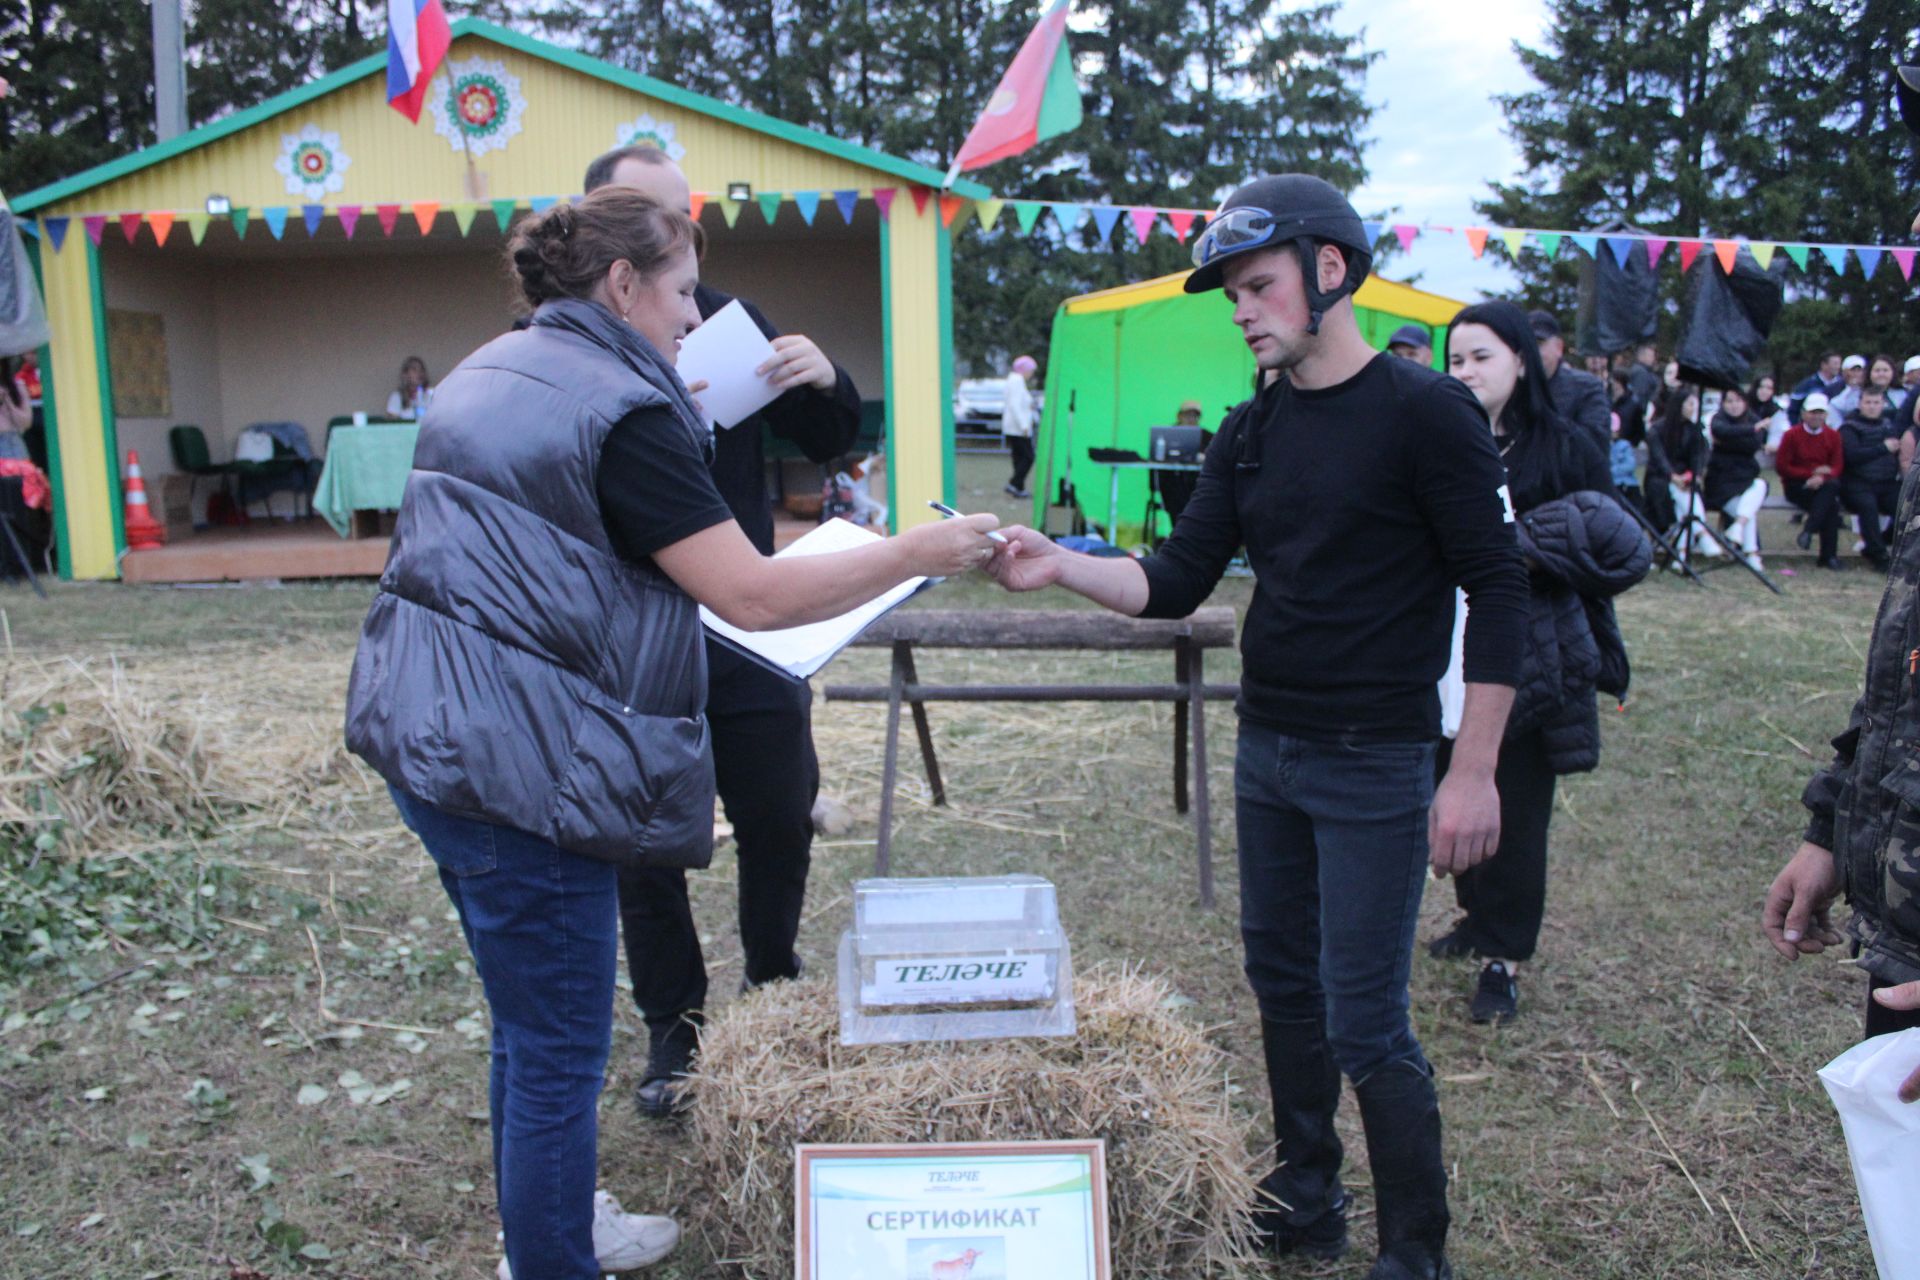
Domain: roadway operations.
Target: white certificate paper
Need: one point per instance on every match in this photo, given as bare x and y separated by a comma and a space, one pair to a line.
801, 651
725, 350
988, 1211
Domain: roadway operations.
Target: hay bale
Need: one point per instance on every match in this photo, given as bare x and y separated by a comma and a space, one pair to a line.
102, 755
773, 1073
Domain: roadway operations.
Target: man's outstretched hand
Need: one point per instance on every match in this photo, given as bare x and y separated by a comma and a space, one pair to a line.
1029, 561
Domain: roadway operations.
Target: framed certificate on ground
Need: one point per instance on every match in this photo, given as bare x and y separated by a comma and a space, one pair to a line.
951, 1211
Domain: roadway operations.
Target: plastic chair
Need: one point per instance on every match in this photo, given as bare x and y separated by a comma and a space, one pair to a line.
188, 445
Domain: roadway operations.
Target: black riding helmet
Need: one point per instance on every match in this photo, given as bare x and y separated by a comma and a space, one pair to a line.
1292, 208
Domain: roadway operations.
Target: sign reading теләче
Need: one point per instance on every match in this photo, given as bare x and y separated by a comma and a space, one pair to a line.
958, 980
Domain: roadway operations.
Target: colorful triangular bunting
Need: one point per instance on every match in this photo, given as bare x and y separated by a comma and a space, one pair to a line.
1869, 259
197, 226
730, 211
424, 212
162, 224
463, 216
1689, 250
96, 225
1656, 245
502, 213
1104, 217
883, 200
1549, 242
769, 202
1069, 216
1477, 240
349, 215
1026, 213
950, 207
988, 211
1589, 245
1763, 251
808, 203
540, 204
311, 214
920, 195
1836, 256
1143, 220
1621, 247
130, 226
1404, 232
1796, 252
696, 204
56, 229
1905, 258
1515, 242
1373, 231
1181, 220
276, 220
389, 216
238, 217
1728, 251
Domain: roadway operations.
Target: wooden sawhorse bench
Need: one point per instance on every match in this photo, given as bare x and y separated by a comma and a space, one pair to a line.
1189, 638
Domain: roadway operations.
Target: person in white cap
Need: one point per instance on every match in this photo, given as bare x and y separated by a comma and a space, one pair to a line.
1853, 372
1810, 461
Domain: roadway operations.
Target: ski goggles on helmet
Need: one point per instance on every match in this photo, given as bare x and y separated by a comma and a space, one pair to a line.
1232, 231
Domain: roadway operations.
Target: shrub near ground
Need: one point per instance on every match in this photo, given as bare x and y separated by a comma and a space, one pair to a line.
261, 1048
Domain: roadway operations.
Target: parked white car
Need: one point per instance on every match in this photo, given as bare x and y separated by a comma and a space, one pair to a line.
979, 399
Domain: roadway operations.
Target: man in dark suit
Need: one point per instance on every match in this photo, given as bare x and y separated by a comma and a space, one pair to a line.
1580, 397
763, 757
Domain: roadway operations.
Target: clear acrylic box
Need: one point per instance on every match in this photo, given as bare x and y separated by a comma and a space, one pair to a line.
954, 959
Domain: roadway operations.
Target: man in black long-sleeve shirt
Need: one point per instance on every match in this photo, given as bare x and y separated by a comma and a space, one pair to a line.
1364, 489
763, 756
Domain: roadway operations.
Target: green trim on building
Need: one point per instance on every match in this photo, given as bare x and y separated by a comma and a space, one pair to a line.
50, 424
943, 250
109, 427
886, 366
376, 64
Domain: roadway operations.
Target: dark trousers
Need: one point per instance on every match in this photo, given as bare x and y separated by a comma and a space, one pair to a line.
1880, 1019
1022, 447
767, 776
1333, 858
1822, 506
1506, 896
1874, 502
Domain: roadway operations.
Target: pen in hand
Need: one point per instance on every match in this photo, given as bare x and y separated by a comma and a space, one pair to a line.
951, 514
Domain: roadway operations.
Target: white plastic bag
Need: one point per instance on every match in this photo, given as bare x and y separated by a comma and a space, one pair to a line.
1883, 1141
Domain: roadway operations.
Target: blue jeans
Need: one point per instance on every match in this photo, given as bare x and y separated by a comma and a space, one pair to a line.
542, 925
1333, 858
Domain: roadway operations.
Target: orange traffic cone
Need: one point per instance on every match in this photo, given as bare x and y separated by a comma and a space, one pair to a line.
143, 531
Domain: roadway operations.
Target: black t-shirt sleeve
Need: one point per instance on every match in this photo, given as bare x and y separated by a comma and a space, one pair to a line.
654, 485
1462, 490
1188, 565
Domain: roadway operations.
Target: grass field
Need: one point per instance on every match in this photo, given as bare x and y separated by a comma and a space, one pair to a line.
1653, 1114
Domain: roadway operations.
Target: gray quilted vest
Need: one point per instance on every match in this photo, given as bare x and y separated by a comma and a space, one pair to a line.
514, 667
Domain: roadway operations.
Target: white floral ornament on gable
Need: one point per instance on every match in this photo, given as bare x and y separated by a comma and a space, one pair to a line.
477, 105
648, 132
312, 162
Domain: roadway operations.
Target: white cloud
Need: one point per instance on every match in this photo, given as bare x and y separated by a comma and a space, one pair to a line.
1437, 138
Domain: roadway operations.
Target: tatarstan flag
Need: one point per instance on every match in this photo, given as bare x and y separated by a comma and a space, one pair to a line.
1037, 99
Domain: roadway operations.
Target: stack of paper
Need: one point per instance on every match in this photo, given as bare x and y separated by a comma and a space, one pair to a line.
801, 651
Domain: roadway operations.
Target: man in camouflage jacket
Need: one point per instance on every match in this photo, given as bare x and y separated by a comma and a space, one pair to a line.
1864, 834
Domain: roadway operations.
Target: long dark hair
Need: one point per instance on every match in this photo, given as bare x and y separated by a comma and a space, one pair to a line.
1540, 441
1674, 426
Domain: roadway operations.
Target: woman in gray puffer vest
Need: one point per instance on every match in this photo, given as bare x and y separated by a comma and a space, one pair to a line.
531, 678
1581, 551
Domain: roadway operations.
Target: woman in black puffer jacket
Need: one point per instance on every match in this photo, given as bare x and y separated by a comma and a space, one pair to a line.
1581, 550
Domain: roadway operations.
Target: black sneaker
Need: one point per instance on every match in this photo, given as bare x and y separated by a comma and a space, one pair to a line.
1833, 563
1803, 539
1324, 1238
1451, 945
662, 1093
1497, 998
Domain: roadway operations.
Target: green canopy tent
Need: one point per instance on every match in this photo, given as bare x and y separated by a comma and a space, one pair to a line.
1121, 361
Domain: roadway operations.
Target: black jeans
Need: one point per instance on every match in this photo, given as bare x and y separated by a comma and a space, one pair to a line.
1022, 447
768, 776
1822, 506
1873, 501
1506, 896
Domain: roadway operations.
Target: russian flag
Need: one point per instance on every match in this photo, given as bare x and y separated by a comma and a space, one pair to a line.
417, 39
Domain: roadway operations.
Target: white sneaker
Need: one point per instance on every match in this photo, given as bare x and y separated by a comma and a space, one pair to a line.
623, 1241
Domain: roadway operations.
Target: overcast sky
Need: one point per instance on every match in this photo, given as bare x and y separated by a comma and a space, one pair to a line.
1437, 138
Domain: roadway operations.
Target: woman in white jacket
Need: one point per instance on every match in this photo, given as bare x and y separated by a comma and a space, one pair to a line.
1016, 424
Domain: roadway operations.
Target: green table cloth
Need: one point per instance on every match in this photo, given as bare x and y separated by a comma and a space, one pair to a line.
366, 470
